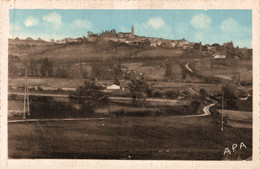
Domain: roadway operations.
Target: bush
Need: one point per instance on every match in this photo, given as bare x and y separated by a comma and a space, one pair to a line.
194, 106
157, 94
171, 94
58, 110
12, 97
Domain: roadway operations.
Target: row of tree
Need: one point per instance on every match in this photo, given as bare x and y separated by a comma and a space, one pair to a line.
44, 66
227, 49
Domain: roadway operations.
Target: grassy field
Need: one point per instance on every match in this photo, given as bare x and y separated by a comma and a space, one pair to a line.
229, 67
71, 52
153, 53
51, 82
210, 88
74, 83
63, 108
239, 119
169, 138
25, 48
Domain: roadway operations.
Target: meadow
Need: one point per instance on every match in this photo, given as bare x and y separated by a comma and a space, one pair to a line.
153, 138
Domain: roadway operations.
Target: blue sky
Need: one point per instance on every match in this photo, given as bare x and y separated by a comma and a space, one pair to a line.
206, 26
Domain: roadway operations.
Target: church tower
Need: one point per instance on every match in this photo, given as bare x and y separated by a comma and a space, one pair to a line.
132, 30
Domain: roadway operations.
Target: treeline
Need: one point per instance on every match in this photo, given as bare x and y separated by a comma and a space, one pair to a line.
44, 67
35, 67
226, 49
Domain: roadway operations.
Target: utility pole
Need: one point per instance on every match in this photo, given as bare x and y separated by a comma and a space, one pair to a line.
27, 95
222, 111
26, 109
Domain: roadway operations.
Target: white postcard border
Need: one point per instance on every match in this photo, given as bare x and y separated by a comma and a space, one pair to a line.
126, 4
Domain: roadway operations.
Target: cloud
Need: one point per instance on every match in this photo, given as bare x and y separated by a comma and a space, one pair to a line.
14, 27
229, 25
31, 21
182, 30
53, 19
156, 22
82, 23
154, 27
200, 21
231, 30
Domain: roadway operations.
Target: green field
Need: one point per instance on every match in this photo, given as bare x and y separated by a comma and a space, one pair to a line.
169, 138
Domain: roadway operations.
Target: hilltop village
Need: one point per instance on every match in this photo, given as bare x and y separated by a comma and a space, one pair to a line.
81, 57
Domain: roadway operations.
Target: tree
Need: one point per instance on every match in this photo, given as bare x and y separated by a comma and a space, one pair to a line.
117, 82
197, 46
29, 39
47, 67
194, 106
97, 70
169, 72
171, 94
203, 94
229, 91
44, 63
229, 49
12, 68
62, 72
90, 33
183, 72
204, 48
32, 66
50, 69
118, 71
139, 91
89, 96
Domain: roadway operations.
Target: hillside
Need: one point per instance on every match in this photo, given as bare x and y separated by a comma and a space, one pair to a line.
85, 51
109, 56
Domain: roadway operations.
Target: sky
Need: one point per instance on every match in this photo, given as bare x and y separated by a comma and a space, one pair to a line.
206, 26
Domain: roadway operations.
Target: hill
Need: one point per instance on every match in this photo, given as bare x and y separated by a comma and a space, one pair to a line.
110, 56
76, 51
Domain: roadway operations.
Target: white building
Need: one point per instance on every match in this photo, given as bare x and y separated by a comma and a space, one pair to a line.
219, 56
113, 87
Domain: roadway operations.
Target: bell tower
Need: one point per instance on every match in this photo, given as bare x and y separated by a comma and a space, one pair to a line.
132, 30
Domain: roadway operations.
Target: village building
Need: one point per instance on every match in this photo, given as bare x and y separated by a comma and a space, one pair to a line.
182, 43
92, 37
69, 89
60, 41
113, 87
218, 56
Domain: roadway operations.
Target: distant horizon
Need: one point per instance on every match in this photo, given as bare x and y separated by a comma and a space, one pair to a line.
35, 39
205, 26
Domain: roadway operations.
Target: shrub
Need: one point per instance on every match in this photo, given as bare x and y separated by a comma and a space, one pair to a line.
171, 94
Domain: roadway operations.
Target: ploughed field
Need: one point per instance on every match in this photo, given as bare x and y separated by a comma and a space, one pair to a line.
168, 137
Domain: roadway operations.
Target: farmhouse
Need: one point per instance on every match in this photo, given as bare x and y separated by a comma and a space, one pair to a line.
113, 87
69, 89
219, 56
